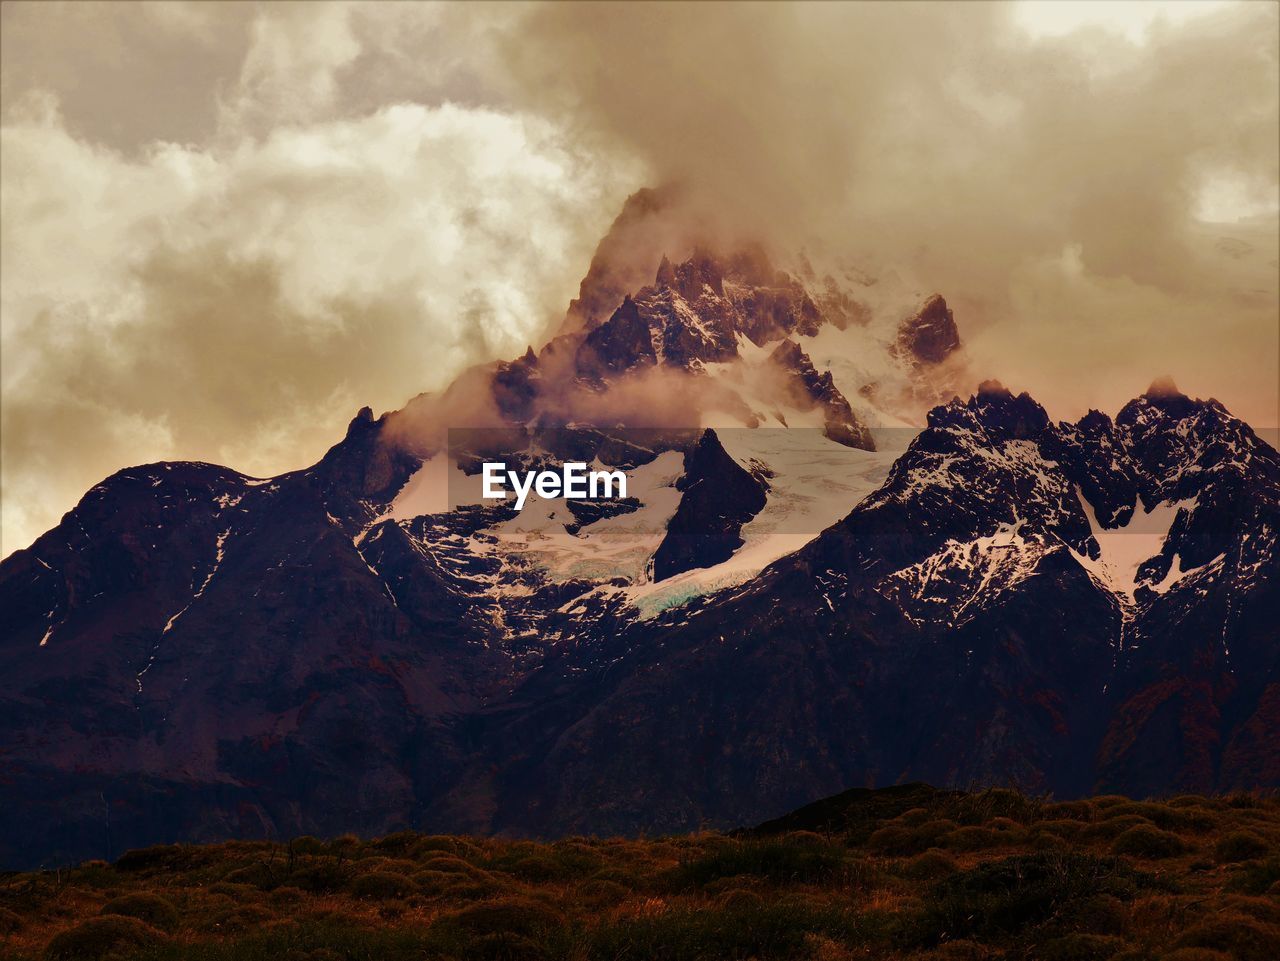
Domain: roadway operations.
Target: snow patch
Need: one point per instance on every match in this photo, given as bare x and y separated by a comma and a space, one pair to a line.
1124, 549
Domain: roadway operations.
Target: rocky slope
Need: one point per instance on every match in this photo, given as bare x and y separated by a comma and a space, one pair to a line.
970, 622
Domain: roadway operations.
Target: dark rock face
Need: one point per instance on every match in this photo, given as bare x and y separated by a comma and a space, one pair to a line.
931, 334
145, 711
952, 629
1200, 663
624, 342
587, 512
1095, 458
624, 260
771, 304
719, 497
516, 385
691, 316
811, 389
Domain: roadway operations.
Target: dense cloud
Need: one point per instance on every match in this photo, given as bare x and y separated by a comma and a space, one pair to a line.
1051, 189
237, 300
226, 227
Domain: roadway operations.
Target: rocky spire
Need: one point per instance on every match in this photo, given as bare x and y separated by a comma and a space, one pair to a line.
930, 335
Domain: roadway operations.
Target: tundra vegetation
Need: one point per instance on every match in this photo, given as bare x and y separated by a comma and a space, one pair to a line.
903, 873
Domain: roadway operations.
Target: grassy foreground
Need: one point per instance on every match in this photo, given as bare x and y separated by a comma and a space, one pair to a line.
902, 873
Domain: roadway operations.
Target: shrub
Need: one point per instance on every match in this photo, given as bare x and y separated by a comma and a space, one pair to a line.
913, 817
1194, 800
1067, 810
516, 915
470, 889
320, 875
395, 865
1242, 937
618, 875
506, 928
1255, 878
258, 875
1100, 914
1163, 816
1010, 893
505, 946
151, 908
97, 874
1110, 828
99, 937
381, 885
973, 838
783, 929
1243, 801
237, 892
1241, 846
960, 951
1104, 801
930, 866
1061, 827
739, 899
307, 844
451, 865
1040, 841
244, 917
345, 846
996, 803
9, 921
897, 839
550, 863
287, 895
893, 839
782, 860
1195, 954
425, 847
401, 842
1080, 947
597, 892
1145, 841
161, 856
1266, 910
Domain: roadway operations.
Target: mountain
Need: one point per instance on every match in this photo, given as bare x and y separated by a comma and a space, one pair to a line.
969, 622
798, 595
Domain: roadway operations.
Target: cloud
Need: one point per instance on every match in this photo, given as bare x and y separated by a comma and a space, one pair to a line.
947, 143
240, 303
224, 227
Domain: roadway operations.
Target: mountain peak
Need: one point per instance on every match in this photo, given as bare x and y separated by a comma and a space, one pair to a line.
363, 418
809, 388
718, 496
1161, 400
666, 275
1163, 388
1003, 414
993, 388
930, 335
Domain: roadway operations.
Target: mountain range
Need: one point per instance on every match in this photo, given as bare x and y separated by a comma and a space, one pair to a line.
802, 594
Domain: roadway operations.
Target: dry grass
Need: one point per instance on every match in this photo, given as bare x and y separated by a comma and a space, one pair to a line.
978, 876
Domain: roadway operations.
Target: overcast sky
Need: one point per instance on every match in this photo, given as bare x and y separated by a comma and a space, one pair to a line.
226, 227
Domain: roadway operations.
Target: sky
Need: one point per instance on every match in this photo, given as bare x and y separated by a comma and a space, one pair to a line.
226, 227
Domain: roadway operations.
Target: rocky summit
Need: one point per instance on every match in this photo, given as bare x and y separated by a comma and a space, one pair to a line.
798, 596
